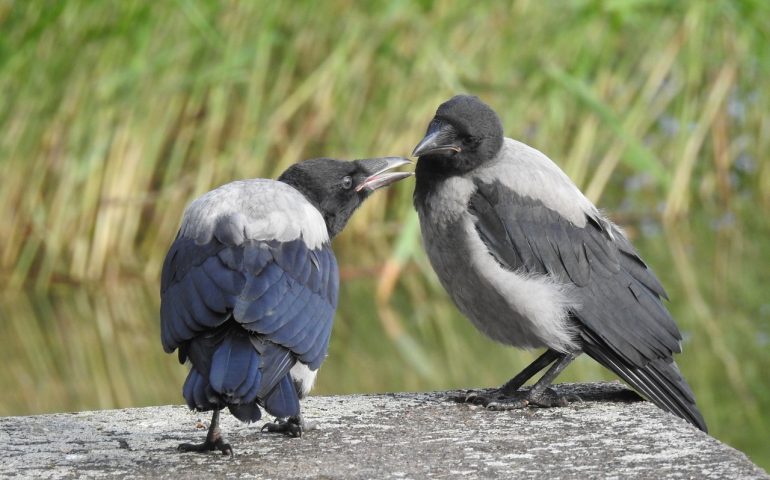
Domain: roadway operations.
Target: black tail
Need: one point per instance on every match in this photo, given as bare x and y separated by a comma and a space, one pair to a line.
660, 380
232, 368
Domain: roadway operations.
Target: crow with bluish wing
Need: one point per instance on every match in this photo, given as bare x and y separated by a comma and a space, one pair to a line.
533, 263
249, 288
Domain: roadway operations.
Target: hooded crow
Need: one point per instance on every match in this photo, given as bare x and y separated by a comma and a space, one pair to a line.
249, 288
534, 264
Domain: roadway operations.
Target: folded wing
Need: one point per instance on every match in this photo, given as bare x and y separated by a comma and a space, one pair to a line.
622, 321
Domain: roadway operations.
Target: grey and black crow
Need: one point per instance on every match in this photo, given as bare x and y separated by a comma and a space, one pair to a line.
534, 264
249, 288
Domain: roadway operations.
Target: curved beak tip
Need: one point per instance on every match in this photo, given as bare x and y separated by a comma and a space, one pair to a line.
425, 145
441, 140
382, 177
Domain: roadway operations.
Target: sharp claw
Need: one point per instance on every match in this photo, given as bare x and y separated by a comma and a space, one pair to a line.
573, 399
207, 446
223, 447
288, 427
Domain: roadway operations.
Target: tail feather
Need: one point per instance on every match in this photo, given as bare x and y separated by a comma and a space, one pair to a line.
234, 369
196, 392
247, 412
252, 377
230, 364
283, 401
667, 373
276, 363
659, 380
253, 392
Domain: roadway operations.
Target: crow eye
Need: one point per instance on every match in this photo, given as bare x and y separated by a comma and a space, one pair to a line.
347, 182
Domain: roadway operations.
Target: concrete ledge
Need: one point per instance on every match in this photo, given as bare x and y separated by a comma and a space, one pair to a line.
405, 435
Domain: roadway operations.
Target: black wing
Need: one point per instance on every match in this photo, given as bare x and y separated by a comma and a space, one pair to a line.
244, 314
623, 322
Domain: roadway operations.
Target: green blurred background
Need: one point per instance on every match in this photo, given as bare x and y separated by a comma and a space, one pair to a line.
115, 114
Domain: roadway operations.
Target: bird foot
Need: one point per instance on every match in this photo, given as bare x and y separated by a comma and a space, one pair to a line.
497, 399
213, 442
292, 426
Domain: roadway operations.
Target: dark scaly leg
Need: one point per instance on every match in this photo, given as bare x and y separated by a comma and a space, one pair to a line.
543, 396
509, 396
530, 371
213, 440
510, 387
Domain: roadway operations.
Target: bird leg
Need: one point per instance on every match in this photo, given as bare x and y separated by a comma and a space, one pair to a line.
213, 440
512, 385
291, 426
543, 396
509, 397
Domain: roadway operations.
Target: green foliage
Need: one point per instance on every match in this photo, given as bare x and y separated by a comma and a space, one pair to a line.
116, 114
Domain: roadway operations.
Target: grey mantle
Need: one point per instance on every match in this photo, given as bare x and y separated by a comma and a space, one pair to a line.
609, 434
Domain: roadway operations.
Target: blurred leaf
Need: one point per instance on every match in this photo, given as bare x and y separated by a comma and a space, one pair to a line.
638, 156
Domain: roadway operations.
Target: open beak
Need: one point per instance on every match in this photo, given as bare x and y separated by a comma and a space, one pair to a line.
379, 177
439, 140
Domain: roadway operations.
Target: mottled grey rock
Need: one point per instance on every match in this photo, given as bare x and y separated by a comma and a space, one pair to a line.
406, 435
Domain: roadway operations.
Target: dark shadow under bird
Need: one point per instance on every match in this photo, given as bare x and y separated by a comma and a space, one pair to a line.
249, 288
534, 264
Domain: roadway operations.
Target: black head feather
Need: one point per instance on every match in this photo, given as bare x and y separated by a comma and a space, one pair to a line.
338, 187
464, 133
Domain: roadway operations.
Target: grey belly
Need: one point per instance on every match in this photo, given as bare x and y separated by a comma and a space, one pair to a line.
475, 294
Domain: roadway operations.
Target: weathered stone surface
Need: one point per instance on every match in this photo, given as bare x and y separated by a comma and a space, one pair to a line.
405, 435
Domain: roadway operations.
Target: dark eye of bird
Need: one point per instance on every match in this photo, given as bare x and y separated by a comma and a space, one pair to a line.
347, 182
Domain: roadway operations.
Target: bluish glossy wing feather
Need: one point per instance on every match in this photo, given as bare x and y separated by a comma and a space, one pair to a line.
244, 315
196, 288
283, 401
295, 293
273, 289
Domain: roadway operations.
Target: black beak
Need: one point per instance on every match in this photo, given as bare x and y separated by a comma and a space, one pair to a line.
377, 169
441, 139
